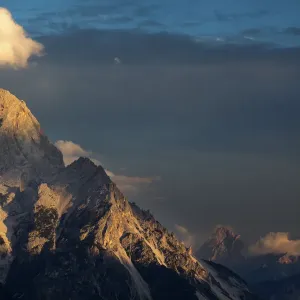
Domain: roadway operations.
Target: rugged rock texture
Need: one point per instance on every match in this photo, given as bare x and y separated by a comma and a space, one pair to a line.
69, 233
288, 259
224, 246
24, 148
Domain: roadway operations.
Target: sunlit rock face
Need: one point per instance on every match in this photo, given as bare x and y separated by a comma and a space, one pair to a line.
75, 235
288, 259
224, 246
24, 148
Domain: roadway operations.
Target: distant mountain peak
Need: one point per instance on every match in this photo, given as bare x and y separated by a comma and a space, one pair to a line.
288, 259
224, 244
222, 233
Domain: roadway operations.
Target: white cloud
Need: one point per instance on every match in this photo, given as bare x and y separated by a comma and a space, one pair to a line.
72, 152
15, 46
127, 184
184, 235
276, 243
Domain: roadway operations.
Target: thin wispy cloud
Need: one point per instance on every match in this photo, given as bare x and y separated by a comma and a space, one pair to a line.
184, 235
131, 185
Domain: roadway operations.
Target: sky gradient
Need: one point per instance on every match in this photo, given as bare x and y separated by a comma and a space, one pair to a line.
211, 116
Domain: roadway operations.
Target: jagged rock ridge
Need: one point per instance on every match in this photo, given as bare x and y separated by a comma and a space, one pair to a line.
224, 246
75, 236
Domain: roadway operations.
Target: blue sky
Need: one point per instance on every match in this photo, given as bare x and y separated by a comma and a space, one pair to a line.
236, 21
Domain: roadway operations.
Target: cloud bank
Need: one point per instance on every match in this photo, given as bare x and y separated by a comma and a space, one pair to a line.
131, 185
276, 243
15, 46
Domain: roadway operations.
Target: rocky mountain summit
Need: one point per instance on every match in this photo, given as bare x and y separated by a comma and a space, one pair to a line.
272, 276
24, 148
69, 232
224, 246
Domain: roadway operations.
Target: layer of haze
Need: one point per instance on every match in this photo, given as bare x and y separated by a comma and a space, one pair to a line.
219, 126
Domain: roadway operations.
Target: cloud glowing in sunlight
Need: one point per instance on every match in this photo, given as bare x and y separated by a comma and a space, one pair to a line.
15, 46
276, 243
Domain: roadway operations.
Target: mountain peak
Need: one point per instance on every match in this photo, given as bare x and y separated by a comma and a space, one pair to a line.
224, 244
9, 102
22, 143
15, 112
224, 232
3, 92
288, 259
